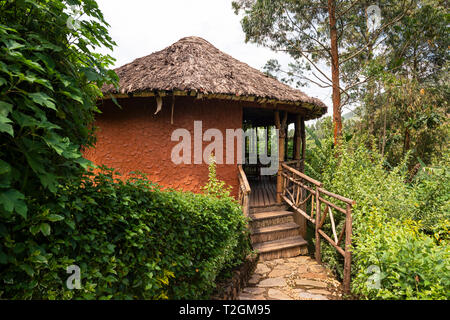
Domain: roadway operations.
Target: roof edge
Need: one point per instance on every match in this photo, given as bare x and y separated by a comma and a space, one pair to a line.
316, 108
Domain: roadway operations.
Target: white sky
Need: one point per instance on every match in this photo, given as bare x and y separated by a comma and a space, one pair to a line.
140, 27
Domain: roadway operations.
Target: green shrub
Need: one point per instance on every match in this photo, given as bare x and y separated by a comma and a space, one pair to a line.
49, 84
432, 188
130, 239
387, 224
410, 263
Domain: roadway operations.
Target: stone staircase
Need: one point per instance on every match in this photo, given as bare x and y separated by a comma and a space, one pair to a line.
275, 234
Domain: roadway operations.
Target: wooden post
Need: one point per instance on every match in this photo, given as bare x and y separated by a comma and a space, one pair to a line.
294, 145
303, 135
348, 254
298, 218
267, 140
279, 177
317, 254
297, 140
286, 143
280, 125
256, 142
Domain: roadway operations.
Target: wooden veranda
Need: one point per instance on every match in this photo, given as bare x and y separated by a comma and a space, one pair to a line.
264, 191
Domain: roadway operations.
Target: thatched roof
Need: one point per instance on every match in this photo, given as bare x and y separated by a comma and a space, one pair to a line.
194, 65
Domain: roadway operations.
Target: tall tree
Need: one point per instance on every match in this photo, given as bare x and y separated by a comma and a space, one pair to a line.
317, 33
406, 110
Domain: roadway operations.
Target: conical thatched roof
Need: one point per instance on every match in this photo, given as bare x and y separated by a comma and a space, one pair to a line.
194, 65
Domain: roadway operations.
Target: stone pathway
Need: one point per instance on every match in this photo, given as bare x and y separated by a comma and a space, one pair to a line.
298, 278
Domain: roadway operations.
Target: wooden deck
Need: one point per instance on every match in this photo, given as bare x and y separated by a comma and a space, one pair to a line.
264, 190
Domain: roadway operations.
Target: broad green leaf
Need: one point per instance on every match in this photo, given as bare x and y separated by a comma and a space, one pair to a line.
48, 61
27, 269
70, 223
55, 217
91, 74
4, 127
72, 96
4, 167
12, 199
32, 78
43, 100
13, 45
45, 229
35, 229
24, 120
5, 108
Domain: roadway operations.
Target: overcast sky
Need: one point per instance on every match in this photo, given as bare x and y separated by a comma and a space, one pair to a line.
140, 27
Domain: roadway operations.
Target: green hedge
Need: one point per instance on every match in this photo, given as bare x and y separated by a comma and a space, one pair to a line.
130, 239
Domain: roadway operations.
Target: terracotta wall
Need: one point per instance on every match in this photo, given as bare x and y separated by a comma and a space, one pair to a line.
133, 138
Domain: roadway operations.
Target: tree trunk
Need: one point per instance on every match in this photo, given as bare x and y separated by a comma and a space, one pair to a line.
406, 142
384, 133
337, 121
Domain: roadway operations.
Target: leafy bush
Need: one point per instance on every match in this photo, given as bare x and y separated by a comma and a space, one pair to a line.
130, 239
411, 265
432, 188
49, 84
387, 223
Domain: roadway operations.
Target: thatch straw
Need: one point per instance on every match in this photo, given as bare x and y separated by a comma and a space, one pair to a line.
194, 65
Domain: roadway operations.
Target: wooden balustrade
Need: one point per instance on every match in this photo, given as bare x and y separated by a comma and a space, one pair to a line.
244, 191
297, 190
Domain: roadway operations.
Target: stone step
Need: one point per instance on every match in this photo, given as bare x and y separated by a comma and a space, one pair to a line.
270, 218
282, 248
274, 232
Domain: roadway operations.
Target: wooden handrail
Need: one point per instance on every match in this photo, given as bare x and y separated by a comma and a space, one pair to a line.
243, 176
244, 191
302, 175
294, 190
334, 195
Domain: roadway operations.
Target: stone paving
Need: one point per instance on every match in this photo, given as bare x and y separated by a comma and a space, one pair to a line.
297, 278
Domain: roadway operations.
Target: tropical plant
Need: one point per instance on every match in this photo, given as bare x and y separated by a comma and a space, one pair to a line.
49, 83
130, 240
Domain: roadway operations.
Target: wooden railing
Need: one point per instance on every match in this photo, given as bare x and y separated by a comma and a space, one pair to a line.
244, 191
297, 190
296, 164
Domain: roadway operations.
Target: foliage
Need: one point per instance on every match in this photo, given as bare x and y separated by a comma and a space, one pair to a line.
432, 190
412, 116
411, 265
214, 186
387, 222
301, 28
405, 105
130, 239
49, 83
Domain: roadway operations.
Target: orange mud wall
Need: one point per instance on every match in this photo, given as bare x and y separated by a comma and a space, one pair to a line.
135, 139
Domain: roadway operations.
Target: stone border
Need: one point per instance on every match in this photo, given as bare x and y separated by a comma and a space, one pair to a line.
230, 289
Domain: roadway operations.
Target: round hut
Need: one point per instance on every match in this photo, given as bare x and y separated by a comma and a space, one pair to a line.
189, 89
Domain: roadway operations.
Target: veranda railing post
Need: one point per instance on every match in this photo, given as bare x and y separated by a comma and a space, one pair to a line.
317, 254
348, 254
